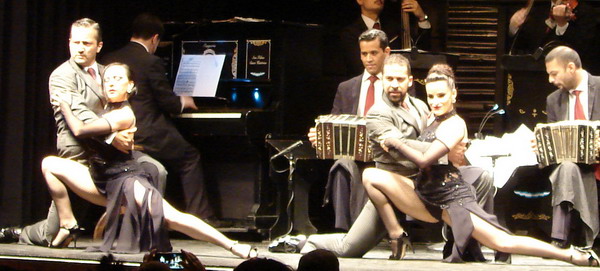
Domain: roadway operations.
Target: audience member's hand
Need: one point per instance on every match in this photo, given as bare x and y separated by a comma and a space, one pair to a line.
148, 257
191, 262
561, 14
312, 136
517, 20
413, 7
457, 154
123, 141
188, 102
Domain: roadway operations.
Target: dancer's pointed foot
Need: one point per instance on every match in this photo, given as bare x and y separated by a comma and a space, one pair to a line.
243, 251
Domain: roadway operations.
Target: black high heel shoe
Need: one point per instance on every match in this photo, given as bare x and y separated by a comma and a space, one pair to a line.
400, 244
74, 233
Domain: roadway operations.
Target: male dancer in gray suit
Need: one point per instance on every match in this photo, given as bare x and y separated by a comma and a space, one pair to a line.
368, 229
573, 185
355, 96
80, 76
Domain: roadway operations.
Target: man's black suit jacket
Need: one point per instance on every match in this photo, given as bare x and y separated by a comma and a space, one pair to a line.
347, 96
153, 102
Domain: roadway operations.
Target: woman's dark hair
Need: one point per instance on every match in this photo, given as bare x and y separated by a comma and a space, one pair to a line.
441, 72
128, 72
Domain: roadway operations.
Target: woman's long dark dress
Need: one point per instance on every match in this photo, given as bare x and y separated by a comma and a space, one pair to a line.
138, 229
442, 187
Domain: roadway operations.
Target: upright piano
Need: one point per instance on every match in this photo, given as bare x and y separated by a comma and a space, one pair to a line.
230, 129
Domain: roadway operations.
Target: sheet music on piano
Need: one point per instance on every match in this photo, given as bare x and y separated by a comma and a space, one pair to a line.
198, 75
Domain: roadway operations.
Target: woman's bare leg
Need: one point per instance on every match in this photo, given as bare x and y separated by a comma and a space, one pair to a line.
60, 173
384, 188
193, 226
500, 240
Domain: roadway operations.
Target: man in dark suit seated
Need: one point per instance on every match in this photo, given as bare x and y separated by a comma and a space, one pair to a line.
355, 96
372, 15
154, 101
574, 186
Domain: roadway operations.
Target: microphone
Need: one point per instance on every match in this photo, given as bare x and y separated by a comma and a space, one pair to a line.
289, 149
540, 50
494, 111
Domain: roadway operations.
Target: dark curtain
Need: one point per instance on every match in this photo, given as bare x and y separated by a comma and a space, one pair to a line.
34, 41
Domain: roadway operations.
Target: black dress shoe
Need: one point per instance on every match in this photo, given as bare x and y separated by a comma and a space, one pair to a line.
560, 243
10, 235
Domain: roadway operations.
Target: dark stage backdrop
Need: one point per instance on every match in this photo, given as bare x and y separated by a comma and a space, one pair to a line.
34, 41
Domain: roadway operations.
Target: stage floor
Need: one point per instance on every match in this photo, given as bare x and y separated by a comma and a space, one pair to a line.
426, 258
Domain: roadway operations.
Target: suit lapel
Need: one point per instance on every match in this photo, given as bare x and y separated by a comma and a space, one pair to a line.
90, 83
421, 118
563, 111
356, 93
592, 93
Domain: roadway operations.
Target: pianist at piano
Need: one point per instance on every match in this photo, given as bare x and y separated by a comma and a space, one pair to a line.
156, 134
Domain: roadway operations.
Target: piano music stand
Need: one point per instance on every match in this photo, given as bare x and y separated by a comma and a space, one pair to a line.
292, 217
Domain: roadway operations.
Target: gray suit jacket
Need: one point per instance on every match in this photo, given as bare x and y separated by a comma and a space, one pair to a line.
87, 101
557, 103
386, 120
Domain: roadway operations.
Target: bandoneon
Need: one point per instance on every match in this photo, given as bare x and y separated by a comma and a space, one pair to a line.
572, 141
342, 136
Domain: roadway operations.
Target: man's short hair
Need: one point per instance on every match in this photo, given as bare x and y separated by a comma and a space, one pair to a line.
147, 25
564, 55
397, 59
88, 23
373, 34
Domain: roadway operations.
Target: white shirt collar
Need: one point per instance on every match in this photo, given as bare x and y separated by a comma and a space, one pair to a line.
141, 45
93, 66
368, 21
366, 76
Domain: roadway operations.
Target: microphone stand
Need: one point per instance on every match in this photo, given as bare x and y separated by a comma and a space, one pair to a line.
490, 114
290, 184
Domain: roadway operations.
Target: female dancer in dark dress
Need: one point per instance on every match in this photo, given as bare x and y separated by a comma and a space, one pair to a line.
442, 194
147, 216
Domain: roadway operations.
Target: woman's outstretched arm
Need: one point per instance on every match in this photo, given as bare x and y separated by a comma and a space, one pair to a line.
79, 129
448, 135
422, 160
111, 121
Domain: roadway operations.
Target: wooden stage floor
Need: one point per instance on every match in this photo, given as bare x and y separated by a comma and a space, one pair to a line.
426, 258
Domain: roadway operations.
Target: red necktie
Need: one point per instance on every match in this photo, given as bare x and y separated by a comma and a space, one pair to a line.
377, 26
370, 94
92, 72
579, 115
